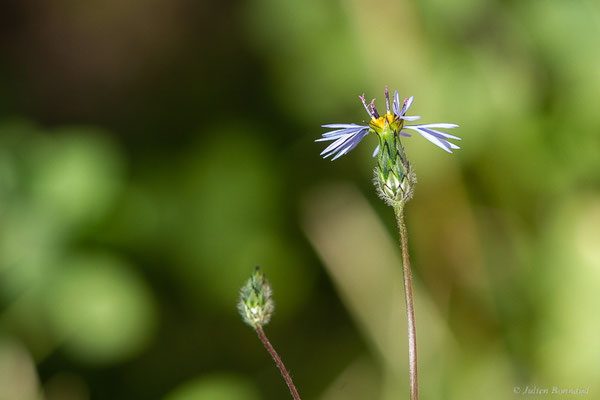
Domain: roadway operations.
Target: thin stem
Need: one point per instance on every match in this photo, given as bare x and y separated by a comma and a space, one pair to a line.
410, 308
284, 372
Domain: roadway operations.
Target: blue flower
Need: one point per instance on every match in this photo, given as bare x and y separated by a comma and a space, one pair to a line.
346, 137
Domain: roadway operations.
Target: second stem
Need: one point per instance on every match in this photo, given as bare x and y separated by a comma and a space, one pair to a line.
278, 362
410, 308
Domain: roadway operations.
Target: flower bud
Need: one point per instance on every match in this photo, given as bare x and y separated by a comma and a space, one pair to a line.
256, 305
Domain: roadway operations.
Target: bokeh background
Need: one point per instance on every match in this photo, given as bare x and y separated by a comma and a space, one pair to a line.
153, 152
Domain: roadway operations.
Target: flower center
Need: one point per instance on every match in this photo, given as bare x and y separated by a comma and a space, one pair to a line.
381, 121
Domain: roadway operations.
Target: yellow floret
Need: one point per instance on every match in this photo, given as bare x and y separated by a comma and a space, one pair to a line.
380, 122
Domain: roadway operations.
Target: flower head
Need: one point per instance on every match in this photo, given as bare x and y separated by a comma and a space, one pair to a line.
393, 174
346, 137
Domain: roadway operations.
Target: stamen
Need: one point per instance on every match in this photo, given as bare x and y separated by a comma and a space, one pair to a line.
387, 99
362, 98
373, 109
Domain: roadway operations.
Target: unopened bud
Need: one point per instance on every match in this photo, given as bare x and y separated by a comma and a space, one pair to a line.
256, 305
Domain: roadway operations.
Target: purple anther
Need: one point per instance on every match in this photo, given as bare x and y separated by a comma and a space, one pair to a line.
362, 98
374, 114
387, 99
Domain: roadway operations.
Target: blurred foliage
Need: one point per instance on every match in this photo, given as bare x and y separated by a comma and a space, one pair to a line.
152, 153
220, 387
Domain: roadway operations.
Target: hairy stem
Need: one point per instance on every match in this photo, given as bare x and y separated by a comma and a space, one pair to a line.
273, 353
410, 308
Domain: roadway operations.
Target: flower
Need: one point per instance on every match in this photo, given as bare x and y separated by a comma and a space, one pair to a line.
346, 137
394, 177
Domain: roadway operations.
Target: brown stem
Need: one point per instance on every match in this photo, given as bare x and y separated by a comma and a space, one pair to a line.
284, 372
410, 308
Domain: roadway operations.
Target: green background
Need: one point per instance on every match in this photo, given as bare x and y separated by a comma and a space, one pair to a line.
153, 152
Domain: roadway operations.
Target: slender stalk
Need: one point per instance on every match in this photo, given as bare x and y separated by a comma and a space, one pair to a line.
410, 308
284, 372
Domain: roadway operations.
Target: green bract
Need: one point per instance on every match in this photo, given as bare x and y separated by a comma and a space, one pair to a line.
393, 175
